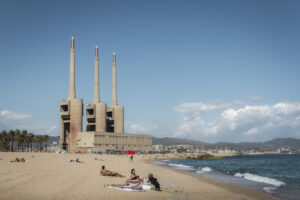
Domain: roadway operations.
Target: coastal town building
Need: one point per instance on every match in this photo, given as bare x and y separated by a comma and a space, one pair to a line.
105, 125
158, 148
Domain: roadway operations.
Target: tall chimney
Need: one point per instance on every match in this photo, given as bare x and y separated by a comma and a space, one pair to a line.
96, 78
72, 72
114, 101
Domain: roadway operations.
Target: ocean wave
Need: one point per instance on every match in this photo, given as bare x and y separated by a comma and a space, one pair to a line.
269, 189
160, 163
165, 160
204, 169
260, 179
179, 165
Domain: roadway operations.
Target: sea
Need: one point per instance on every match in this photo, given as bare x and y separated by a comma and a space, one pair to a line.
276, 174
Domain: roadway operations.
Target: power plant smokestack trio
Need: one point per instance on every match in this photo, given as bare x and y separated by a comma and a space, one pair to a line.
102, 121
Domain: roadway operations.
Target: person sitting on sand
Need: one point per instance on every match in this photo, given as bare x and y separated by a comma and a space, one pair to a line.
78, 161
106, 172
133, 176
154, 182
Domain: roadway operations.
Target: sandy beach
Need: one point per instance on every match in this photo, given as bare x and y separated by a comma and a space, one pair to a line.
51, 176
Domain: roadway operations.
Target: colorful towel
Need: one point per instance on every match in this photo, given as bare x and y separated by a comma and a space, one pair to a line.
130, 186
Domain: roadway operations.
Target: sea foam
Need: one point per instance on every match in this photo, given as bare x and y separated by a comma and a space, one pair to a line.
260, 179
204, 169
269, 189
179, 165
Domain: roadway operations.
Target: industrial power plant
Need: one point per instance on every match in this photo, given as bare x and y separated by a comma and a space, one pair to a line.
104, 124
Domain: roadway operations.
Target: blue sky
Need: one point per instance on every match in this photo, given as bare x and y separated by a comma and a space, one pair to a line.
207, 70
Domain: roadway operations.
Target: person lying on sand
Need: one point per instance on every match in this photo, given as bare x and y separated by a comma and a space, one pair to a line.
18, 160
77, 160
15, 160
106, 172
133, 176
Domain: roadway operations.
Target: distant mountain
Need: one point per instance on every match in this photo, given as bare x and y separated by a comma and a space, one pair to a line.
268, 145
261, 146
175, 141
54, 139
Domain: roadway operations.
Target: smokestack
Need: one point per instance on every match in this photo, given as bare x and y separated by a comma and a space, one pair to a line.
96, 78
72, 72
114, 101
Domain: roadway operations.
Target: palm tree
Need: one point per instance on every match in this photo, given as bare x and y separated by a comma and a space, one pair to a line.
31, 140
24, 135
39, 139
26, 140
46, 139
18, 138
4, 141
11, 134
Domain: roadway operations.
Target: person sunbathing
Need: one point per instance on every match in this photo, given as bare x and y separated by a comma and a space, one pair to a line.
106, 172
77, 160
133, 176
18, 160
15, 160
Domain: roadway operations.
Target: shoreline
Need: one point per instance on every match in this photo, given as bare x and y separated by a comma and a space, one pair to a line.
51, 176
253, 193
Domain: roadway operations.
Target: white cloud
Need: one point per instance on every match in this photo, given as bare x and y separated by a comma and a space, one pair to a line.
256, 98
8, 115
200, 107
153, 128
10, 121
247, 123
232, 122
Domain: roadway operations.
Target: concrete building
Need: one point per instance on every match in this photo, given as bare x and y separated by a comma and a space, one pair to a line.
71, 111
158, 147
105, 125
96, 113
101, 118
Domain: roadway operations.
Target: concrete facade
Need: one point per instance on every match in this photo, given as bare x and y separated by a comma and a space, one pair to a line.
105, 125
71, 111
101, 118
113, 141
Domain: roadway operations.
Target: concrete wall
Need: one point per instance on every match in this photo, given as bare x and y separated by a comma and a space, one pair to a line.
115, 141
118, 116
73, 117
75, 123
100, 117
86, 140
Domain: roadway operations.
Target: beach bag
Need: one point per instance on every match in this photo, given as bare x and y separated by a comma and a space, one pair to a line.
146, 186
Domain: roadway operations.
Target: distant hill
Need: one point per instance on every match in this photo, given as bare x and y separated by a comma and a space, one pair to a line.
175, 141
268, 145
54, 139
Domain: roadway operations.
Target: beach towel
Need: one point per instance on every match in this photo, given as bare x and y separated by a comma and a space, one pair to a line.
130, 186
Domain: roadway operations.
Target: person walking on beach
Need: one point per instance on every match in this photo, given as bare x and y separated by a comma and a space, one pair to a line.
131, 158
